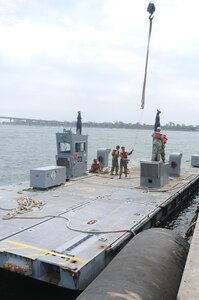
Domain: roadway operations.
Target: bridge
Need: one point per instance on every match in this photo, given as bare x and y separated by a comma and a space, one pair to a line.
28, 121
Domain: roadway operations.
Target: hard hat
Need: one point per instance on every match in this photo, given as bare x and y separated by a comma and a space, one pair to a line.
117, 146
123, 147
158, 128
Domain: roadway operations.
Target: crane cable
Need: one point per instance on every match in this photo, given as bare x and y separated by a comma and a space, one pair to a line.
151, 10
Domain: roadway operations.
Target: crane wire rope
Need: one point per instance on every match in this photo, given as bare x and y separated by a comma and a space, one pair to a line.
151, 10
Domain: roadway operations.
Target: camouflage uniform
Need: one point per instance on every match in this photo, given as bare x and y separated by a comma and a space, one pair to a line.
162, 152
124, 161
79, 123
158, 147
123, 165
115, 163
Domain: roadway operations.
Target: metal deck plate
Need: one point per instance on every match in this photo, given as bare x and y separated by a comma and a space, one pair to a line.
68, 240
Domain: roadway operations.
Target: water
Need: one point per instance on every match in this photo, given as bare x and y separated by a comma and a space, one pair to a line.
181, 221
26, 147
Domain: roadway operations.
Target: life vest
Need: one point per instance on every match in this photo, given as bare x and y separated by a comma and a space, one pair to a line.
124, 154
115, 153
158, 135
95, 166
165, 139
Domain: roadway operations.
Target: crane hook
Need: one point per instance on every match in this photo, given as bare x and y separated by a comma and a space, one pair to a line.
151, 9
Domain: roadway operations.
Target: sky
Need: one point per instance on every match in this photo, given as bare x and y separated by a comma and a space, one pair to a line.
58, 57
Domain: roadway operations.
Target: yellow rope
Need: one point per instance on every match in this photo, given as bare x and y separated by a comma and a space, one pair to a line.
25, 204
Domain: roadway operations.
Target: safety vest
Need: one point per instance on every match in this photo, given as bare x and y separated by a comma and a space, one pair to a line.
158, 135
95, 166
113, 152
165, 139
124, 154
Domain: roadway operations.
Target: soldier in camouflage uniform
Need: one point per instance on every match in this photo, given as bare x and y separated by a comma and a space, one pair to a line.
158, 145
115, 157
79, 123
124, 161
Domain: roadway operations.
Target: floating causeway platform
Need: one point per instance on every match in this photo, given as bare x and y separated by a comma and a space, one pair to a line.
66, 235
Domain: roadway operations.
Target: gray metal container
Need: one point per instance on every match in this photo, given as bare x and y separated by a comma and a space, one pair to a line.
195, 160
153, 174
45, 177
175, 164
103, 157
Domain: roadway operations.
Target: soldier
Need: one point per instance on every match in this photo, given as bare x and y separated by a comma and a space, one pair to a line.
124, 161
162, 150
115, 156
79, 123
159, 141
157, 120
95, 167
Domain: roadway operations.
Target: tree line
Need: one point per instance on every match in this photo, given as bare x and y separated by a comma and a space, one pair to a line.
169, 126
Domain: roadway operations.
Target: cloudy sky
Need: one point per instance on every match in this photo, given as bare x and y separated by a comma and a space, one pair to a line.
61, 56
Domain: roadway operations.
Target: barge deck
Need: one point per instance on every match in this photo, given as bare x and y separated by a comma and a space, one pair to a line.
66, 235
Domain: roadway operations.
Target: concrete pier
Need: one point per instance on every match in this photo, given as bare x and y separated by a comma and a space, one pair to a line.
189, 287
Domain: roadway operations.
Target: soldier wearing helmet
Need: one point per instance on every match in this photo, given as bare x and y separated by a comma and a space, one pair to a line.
124, 161
159, 141
115, 156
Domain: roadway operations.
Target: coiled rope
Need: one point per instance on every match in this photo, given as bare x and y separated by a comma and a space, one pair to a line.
25, 204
